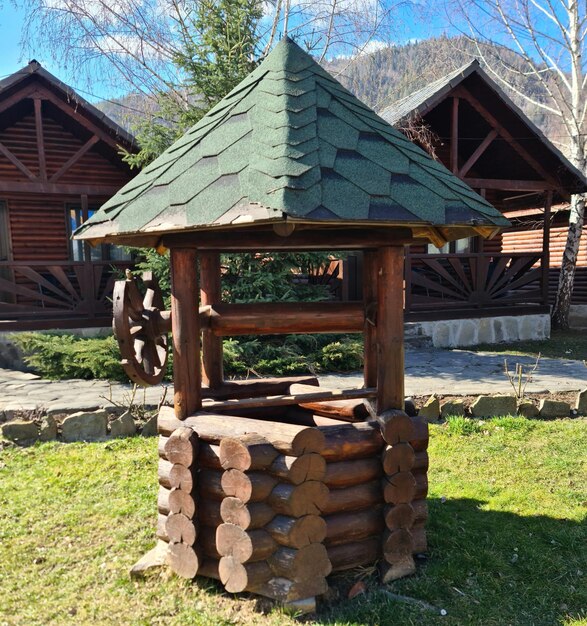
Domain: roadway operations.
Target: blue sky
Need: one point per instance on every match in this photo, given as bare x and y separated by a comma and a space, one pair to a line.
411, 26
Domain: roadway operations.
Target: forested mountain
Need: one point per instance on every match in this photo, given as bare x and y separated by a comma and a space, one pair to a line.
389, 74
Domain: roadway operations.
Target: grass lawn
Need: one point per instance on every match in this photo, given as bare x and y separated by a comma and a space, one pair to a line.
563, 344
507, 531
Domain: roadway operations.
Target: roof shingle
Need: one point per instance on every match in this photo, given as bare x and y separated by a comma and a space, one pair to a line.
290, 142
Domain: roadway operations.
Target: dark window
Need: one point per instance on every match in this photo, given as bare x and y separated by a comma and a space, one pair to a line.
103, 252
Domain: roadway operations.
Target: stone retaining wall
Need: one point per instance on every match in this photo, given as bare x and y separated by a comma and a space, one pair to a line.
474, 331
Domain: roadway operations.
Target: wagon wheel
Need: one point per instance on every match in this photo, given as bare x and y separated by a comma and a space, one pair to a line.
137, 325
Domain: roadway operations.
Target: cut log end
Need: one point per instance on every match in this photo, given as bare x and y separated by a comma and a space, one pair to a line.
183, 560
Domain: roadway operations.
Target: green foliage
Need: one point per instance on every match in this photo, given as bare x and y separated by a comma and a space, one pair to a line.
275, 277
219, 50
513, 424
342, 356
462, 426
62, 356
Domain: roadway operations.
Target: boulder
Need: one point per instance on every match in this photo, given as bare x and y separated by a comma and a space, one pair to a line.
452, 407
150, 427
85, 426
554, 408
21, 432
581, 404
494, 406
123, 426
527, 409
48, 429
430, 411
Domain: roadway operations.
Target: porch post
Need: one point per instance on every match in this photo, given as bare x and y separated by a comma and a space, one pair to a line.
454, 137
187, 397
210, 294
390, 328
546, 247
88, 289
370, 329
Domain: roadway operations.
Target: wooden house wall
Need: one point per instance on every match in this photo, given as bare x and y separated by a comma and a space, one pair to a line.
38, 223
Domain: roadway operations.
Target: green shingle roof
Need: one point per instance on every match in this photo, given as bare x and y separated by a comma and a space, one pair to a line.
290, 142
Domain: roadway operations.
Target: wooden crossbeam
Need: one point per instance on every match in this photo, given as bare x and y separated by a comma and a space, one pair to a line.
288, 399
92, 141
478, 152
463, 92
17, 162
508, 185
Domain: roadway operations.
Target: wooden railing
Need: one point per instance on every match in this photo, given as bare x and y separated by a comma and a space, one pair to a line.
41, 290
442, 282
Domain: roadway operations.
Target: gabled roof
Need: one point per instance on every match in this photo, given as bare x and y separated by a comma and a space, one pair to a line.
34, 69
290, 142
424, 100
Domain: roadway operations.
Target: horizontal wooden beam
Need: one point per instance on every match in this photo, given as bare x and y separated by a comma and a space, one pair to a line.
283, 318
8, 186
286, 400
504, 184
269, 318
303, 238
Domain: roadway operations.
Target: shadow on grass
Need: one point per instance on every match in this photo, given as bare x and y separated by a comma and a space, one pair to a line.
483, 567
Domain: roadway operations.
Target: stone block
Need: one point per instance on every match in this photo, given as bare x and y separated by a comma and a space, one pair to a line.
123, 426
554, 408
430, 410
527, 409
452, 407
581, 403
48, 430
494, 406
20, 432
85, 426
467, 333
150, 427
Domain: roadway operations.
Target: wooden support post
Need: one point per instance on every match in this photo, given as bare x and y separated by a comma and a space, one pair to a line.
390, 328
454, 137
40, 139
546, 247
212, 372
370, 328
186, 332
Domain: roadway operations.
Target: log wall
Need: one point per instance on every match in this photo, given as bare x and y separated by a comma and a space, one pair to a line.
273, 508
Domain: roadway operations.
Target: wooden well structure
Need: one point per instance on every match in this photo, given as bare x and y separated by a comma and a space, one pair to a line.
270, 484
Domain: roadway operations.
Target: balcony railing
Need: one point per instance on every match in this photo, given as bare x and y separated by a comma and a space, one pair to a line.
55, 290
474, 281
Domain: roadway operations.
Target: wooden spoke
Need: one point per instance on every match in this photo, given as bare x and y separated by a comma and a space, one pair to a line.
137, 328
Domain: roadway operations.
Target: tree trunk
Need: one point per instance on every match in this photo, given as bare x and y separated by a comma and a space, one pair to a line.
562, 301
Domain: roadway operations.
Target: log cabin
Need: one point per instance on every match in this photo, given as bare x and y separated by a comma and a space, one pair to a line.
59, 161
469, 124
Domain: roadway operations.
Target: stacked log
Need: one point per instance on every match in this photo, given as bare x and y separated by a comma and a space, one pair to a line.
404, 483
272, 508
177, 503
260, 496
271, 536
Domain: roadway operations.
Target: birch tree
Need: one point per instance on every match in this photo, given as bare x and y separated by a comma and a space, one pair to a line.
133, 44
550, 37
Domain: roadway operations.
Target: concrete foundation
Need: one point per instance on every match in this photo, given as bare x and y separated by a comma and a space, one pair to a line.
578, 316
474, 331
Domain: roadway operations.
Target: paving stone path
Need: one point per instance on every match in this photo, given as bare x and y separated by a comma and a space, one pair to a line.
455, 372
